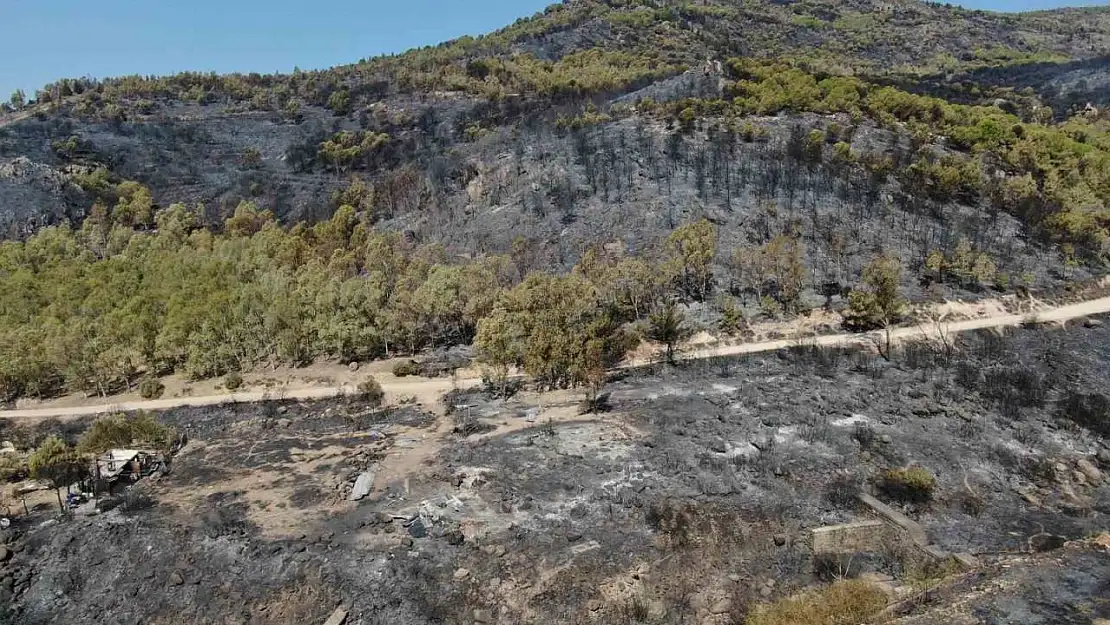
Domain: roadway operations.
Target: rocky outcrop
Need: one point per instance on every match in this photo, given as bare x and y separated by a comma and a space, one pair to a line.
34, 194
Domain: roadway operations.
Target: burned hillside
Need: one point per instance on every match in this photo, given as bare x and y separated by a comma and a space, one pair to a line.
698, 495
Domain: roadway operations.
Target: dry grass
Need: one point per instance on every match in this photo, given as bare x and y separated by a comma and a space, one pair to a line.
307, 602
843, 603
296, 604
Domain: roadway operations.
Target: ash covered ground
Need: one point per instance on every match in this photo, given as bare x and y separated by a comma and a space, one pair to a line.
691, 499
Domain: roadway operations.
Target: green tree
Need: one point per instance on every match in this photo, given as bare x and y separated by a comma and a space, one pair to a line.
877, 302
499, 344
122, 431
58, 464
248, 220
667, 325
732, 318
692, 248
18, 99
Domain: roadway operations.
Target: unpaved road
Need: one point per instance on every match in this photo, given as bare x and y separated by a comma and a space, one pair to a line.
437, 386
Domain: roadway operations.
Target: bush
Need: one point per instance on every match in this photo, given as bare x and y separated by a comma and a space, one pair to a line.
370, 391
151, 388
233, 381
842, 491
406, 368
1090, 411
843, 603
112, 431
910, 485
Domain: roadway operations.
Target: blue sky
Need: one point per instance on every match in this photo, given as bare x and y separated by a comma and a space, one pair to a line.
49, 39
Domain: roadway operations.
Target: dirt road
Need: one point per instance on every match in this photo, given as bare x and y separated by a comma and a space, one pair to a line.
426, 388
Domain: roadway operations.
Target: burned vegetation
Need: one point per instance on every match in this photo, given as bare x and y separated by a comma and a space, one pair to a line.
803, 486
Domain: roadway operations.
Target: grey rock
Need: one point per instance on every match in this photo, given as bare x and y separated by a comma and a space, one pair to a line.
461, 574
353, 366
1103, 457
780, 539
483, 616
1092, 323
721, 607
5, 554
1087, 468
363, 485
418, 530
176, 578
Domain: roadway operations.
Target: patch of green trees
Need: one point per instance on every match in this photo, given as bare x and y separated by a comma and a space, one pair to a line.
102, 308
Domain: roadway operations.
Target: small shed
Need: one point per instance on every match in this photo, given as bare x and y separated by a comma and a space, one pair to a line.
118, 462
124, 465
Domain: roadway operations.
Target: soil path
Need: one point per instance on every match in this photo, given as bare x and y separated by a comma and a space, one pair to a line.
427, 388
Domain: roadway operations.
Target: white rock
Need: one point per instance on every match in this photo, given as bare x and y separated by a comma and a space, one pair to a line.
363, 485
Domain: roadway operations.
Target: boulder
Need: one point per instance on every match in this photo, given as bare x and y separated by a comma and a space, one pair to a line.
1087, 468
364, 483
5, 554
1103, 457
176, 578
721, 607
353, 366
461, 574
1092, 323
1046, 542
418, 530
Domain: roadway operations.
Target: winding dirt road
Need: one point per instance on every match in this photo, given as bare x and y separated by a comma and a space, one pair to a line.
439, 386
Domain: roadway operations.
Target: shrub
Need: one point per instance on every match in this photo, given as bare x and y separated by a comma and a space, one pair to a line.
370, 391
842, 491
118, 430
406, 368
1013, 388
911, 484
864, 434
1091, 411
843, 603
836, 566
151, 388
233, 381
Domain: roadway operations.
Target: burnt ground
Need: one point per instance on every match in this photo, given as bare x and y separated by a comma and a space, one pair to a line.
689, 501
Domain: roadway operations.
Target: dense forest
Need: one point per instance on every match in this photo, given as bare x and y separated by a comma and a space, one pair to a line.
551, 192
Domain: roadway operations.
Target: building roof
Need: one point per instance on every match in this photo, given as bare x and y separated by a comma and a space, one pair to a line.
113, 462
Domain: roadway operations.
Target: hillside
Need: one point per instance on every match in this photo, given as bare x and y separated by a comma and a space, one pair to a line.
748, 159
564, 324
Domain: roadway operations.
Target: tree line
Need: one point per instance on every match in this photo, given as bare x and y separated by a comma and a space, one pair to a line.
135, 293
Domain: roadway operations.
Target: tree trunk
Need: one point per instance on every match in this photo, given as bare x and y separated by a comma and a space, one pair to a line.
58, 492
